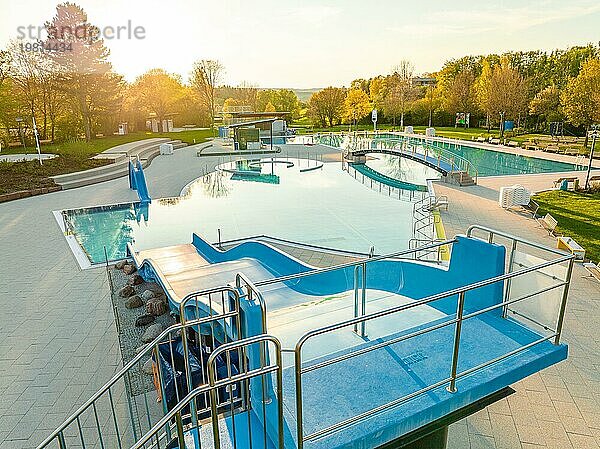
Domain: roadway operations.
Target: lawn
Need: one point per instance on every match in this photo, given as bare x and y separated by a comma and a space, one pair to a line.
578, 216
74, 156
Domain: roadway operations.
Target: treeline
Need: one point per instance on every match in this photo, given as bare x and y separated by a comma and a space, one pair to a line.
68, 86
532, 89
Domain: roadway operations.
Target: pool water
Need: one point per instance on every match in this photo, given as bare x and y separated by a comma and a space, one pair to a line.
325, 207
402, 169
496, 163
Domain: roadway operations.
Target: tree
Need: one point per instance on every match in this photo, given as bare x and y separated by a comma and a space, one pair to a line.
84, 64
158, 93
459, 93
357, 105
378, 91
401, 87
285, 100
205, 77
483, 89
433, 101
581, 98
327, 106
546, 104
508, 92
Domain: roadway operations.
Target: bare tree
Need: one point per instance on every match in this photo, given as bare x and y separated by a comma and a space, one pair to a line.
401, 88
206, 74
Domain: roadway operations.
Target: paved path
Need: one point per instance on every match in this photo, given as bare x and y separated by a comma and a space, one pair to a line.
58, 342
559, 407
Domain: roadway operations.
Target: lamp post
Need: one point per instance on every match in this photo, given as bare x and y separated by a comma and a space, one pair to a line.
594, 133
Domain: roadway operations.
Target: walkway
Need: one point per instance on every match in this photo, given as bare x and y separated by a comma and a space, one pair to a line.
559, 407
58, 343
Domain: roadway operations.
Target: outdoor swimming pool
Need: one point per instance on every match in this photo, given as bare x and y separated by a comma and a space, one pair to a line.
325, 207
497, 163
487, 161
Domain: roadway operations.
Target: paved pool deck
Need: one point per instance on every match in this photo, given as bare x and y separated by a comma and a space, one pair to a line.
58, 342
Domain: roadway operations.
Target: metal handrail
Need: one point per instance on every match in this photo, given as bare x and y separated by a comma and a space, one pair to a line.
413, 195
453, 159
460, 317
351, 264
214, 384
494, 232
119, 375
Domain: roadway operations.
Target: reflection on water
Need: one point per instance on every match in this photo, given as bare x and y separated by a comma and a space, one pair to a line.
324, 207
215, 184
401, 168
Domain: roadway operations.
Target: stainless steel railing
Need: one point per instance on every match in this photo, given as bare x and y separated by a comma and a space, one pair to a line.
174, 419
450, 382
117, 423
392, 192
427, 149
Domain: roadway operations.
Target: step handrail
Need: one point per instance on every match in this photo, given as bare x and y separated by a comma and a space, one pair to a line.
214, 384
150, 347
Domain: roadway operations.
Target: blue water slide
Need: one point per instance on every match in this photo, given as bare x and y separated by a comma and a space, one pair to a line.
137, 181
405, 277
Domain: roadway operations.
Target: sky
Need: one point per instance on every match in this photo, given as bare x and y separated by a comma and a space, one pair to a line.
310, 43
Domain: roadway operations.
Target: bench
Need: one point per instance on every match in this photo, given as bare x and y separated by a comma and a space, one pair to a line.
549, 223
513, 143
570, 245
552, 149
480, 139
44, 142
495, 141
593, 269
13, 144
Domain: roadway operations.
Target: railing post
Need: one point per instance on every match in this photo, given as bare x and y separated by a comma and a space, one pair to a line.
508, 281
363, 298
356, 268
299, 418
180, 437
563, 304
61, 441
459, 317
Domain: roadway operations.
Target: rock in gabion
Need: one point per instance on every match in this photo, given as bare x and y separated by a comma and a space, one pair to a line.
120, 264
129, 268
147, 295
147, 367
126, 291
156, 306
152, 332
133, 302
136, 279
144, 320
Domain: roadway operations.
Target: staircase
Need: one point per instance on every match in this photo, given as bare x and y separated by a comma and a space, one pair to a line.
462, 178
145, 152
